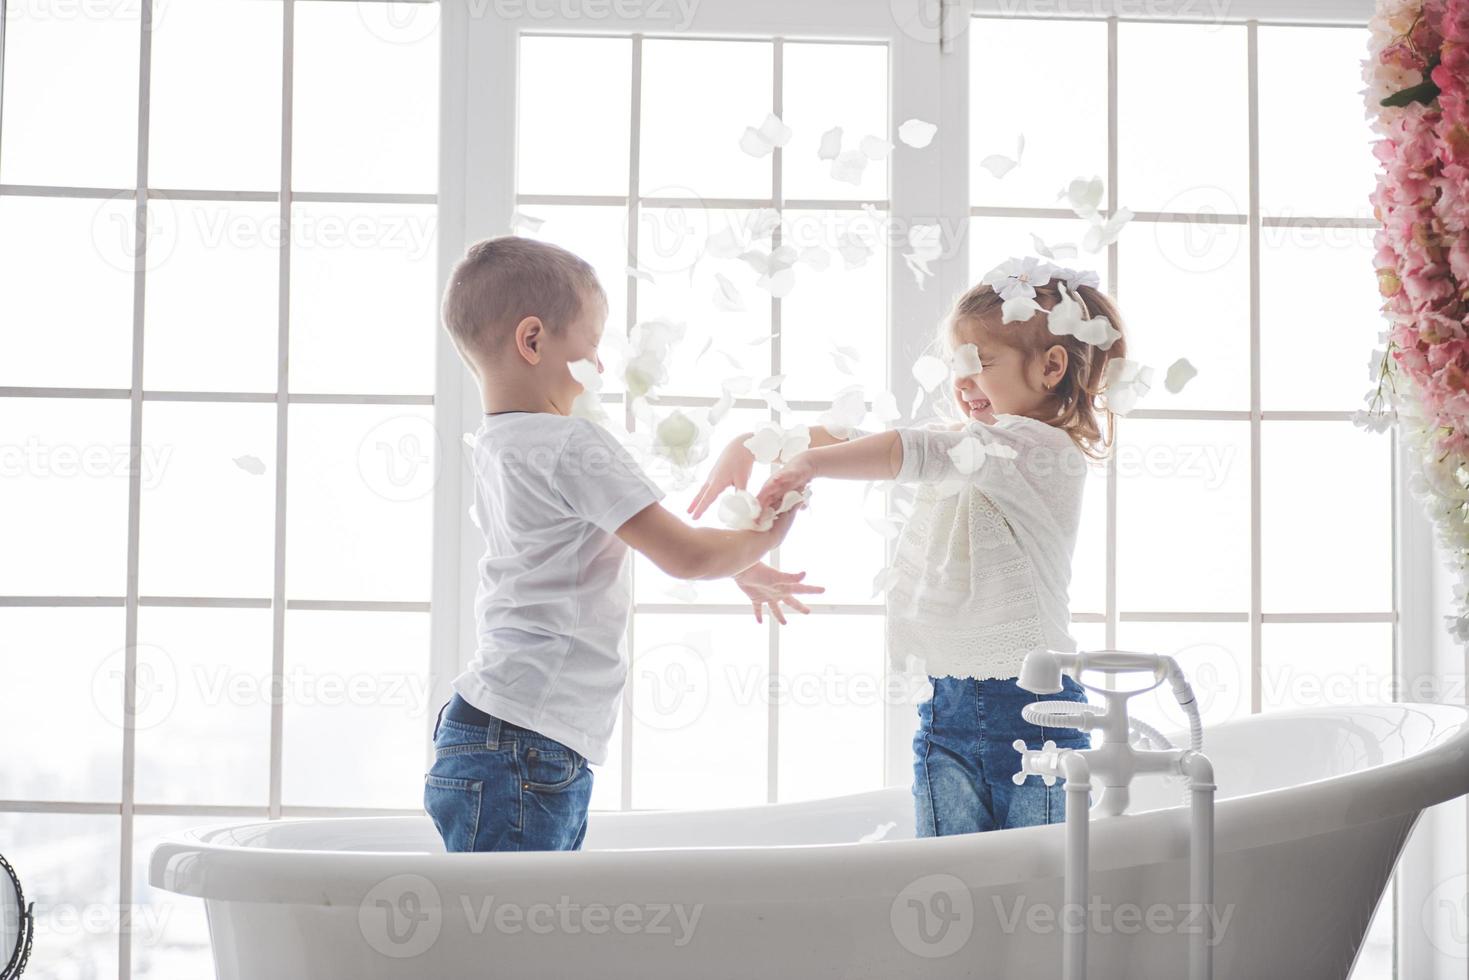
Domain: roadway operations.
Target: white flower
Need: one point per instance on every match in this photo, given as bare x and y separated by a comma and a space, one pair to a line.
1018, 309
1125, 382
739, 510
1084, 196
680, 440
588, 404
1019, 277
999, 165
648, 348
831, 144
772, 133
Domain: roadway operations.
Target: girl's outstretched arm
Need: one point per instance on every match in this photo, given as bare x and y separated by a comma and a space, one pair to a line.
875, 457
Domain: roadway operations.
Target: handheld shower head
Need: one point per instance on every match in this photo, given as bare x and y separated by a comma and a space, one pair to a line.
1040, 673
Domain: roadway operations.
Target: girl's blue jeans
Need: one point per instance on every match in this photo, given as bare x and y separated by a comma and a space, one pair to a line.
964, 757
500, 787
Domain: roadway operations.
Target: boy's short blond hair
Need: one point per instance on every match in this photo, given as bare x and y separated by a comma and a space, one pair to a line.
501, 281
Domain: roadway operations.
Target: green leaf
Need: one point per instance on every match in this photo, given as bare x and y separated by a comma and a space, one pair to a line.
1424, 92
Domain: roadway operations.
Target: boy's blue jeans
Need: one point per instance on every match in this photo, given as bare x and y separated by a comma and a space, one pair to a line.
964, 757
500, 787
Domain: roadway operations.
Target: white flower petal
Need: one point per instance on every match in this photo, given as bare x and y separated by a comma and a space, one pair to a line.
967, 454
849, 167
739, 510
998, 165
930, 372
965, 360
875, 147
917, 133
252, 464
883, 581
1018, 309
727, 295
816, 257
1180, 373
831, 144
753, 143
528, 224
766, 442
1065, 250
774, 131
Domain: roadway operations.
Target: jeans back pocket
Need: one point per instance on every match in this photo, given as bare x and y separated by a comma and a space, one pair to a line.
454, 804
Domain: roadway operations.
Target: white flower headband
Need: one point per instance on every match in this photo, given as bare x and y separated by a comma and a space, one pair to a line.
1015, 280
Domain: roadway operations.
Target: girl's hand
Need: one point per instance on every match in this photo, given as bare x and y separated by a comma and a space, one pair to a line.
768, 586
732, 469
794, 475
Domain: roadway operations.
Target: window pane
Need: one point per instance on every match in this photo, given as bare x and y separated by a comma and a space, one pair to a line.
1183, 502
698, 97
355, 710
700, 706
204, 252
366, 97
1320, 67
47, 651
684, 292
599, 235
63, 128
208, 740
64, 496
835, 312
1303, 366
1317, 665
66, 291
1088, 591
829, 85
1331, 550
564, 122
215, 475
67, 863
1185, 147
1062, 66
360, 501
1215, 658
833, 693
170, 931
215, 112
364, 298
1184, 291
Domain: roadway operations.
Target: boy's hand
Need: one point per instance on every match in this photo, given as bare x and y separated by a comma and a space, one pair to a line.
794, 475
769, 586
732, 469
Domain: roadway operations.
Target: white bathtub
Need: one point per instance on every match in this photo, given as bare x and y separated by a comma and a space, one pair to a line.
1314, 809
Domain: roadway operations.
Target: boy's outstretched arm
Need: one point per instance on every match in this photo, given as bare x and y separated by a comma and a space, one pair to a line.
698, 552
875, 457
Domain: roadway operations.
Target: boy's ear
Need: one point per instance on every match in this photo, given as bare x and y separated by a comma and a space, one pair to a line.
530, 334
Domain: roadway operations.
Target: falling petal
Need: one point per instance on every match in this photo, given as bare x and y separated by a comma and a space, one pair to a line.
779, 284
1018, 309
917, 133
253, 465
930, 372
727, 296
754, 144
883, 581
775, 132
967, 455
875, 148
1104, 233
682, 591
776, 401
1180, 373
679, 439
739, 510
816, 257
831, 144
642, 274
998, 165
762, 223
855, 251
1063, 251
1084, 196
965, 360
917, 403
847, 411
1125, 382
520, 221
724, 244
849, 166
885, 407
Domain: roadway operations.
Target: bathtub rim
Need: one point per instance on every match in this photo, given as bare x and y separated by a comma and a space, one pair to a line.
190, 864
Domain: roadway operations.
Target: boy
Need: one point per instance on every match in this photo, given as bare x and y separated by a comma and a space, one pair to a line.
559, 502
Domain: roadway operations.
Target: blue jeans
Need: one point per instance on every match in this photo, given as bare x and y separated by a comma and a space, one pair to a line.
964, 757
500, 787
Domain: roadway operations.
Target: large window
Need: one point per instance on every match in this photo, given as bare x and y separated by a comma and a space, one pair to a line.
238, 566
217, 354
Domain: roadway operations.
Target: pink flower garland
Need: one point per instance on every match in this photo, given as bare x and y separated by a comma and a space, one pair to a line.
1419, 64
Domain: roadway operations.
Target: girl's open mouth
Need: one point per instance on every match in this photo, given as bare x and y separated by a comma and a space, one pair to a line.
978, 405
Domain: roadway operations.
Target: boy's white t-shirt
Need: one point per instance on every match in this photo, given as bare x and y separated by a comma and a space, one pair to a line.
554, 591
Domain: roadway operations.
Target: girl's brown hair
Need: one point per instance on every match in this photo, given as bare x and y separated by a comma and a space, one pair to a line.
1075, 403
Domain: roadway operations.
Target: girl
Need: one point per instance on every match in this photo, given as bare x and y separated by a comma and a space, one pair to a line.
983, 565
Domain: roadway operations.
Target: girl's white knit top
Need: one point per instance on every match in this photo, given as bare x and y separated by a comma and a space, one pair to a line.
984, 563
